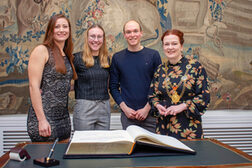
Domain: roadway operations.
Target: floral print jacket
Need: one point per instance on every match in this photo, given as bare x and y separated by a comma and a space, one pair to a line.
190, 81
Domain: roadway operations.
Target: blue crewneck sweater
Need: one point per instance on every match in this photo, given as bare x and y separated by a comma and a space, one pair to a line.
131, 74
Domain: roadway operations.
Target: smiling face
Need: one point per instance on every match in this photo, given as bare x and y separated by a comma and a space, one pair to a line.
172, 48
132, 33
95, 40
61, 30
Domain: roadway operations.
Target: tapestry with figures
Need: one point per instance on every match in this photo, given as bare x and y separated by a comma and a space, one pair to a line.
217, 32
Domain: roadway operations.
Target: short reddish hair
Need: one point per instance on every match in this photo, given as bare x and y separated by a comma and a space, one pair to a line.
175, 32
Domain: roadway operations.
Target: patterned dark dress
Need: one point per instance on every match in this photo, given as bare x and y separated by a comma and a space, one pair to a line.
189, 79
55, 88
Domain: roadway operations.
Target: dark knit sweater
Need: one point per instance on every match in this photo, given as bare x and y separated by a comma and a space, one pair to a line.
92, 83
131, 74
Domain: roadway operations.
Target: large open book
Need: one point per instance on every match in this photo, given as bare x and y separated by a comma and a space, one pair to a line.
132, 142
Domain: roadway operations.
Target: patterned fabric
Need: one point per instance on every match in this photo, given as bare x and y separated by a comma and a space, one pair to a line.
194, 91
55, 88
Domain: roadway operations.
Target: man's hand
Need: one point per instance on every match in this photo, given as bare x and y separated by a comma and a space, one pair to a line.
129, 112
141, 114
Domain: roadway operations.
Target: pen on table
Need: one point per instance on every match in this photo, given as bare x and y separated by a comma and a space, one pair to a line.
52, 149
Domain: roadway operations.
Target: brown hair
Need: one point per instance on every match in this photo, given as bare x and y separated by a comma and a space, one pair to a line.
68, 47
175, 32
87, 56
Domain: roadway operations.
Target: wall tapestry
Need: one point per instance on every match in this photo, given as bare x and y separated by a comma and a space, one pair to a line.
217, 32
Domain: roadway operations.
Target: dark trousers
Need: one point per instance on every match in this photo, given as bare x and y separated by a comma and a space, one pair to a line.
149, 123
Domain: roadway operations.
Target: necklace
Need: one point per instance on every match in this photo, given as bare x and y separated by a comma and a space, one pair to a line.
175, 97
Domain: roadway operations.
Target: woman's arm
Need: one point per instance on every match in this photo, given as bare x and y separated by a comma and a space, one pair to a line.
201, 99
154, 93
37, 61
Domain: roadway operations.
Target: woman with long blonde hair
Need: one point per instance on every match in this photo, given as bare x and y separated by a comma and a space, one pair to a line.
92, 108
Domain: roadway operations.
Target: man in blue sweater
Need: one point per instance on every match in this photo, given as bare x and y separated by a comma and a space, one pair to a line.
131, 72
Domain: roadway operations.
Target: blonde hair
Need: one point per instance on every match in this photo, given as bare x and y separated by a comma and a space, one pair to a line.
87, 56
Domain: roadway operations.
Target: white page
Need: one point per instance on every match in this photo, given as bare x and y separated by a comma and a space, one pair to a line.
136, 131
98, 136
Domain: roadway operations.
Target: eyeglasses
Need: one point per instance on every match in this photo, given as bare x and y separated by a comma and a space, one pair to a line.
93, 37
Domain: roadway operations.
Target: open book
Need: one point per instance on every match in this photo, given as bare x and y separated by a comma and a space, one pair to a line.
134, 141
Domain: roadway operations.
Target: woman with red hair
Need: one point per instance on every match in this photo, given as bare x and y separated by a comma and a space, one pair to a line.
179, 91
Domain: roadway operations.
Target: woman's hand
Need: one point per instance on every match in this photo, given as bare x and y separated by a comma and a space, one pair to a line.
44, 128
161, 109
175, 109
